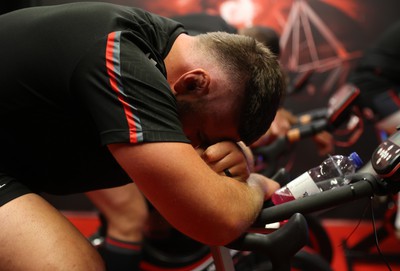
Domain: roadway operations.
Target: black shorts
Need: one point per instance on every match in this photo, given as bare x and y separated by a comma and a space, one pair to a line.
11, 189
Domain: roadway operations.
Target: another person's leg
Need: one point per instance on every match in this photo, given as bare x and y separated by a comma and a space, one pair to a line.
36, 236
125, 211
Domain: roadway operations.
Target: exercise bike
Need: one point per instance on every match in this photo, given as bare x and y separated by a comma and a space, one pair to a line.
380, 176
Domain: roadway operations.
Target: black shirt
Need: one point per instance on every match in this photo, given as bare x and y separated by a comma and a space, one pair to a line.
75, 78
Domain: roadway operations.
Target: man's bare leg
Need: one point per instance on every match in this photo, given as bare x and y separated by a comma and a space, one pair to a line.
125, 211
35, 236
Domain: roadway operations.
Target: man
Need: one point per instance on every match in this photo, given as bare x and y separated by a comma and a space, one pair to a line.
96, 95
124, 215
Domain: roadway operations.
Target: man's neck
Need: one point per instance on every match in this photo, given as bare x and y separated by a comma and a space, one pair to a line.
176, 61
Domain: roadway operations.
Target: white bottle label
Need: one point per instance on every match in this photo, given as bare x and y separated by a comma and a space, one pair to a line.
303, 186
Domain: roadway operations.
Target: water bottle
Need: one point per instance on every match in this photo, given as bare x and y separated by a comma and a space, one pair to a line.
320, 178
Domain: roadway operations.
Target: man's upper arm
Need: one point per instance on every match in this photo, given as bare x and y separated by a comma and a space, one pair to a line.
162, 169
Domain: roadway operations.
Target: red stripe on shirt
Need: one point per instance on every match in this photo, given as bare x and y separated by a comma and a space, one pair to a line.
111, 51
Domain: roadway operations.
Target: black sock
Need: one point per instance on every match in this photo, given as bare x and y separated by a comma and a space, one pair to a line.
120, 255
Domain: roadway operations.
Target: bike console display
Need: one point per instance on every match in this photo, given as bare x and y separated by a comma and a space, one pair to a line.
340, 104
386, 158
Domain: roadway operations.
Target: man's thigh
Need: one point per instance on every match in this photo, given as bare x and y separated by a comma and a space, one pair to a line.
35, 236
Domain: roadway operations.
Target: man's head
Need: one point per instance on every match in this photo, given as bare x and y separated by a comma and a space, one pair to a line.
231, 90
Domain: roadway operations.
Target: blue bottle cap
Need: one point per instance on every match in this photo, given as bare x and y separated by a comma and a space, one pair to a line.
356, 159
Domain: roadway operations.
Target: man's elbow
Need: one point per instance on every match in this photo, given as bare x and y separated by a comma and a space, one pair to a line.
220, 234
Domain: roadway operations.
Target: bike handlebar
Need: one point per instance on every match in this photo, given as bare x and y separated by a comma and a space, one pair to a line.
364, 183
367, 185
270, 153
312, 115
275, 245
294, 234
309, 124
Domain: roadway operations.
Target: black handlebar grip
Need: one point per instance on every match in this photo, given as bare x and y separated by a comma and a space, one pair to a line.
281, 176
280, 245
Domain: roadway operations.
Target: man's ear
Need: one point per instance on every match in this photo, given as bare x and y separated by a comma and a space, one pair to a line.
196, 81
